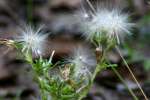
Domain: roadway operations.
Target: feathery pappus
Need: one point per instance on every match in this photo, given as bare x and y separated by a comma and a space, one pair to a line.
83, 60
112, 22
32, 39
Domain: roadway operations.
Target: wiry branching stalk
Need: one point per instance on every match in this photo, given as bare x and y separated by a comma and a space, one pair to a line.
91, 6
100, 56
122, 80
132, 74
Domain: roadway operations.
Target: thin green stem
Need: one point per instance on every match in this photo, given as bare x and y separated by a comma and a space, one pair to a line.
99, 67
97, 70
29, 11
133, 76
122, 80
42, 90
40, 83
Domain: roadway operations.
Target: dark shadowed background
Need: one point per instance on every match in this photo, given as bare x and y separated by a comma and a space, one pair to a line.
60, 20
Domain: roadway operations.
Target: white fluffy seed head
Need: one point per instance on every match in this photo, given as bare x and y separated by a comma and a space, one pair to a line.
83, 60
113, 22
32, 39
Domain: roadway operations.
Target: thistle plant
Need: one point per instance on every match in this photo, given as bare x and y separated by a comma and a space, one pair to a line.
67, 80
72, 78
104, 28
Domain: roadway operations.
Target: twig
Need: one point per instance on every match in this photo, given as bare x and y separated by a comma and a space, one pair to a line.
120, 77
133, 76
